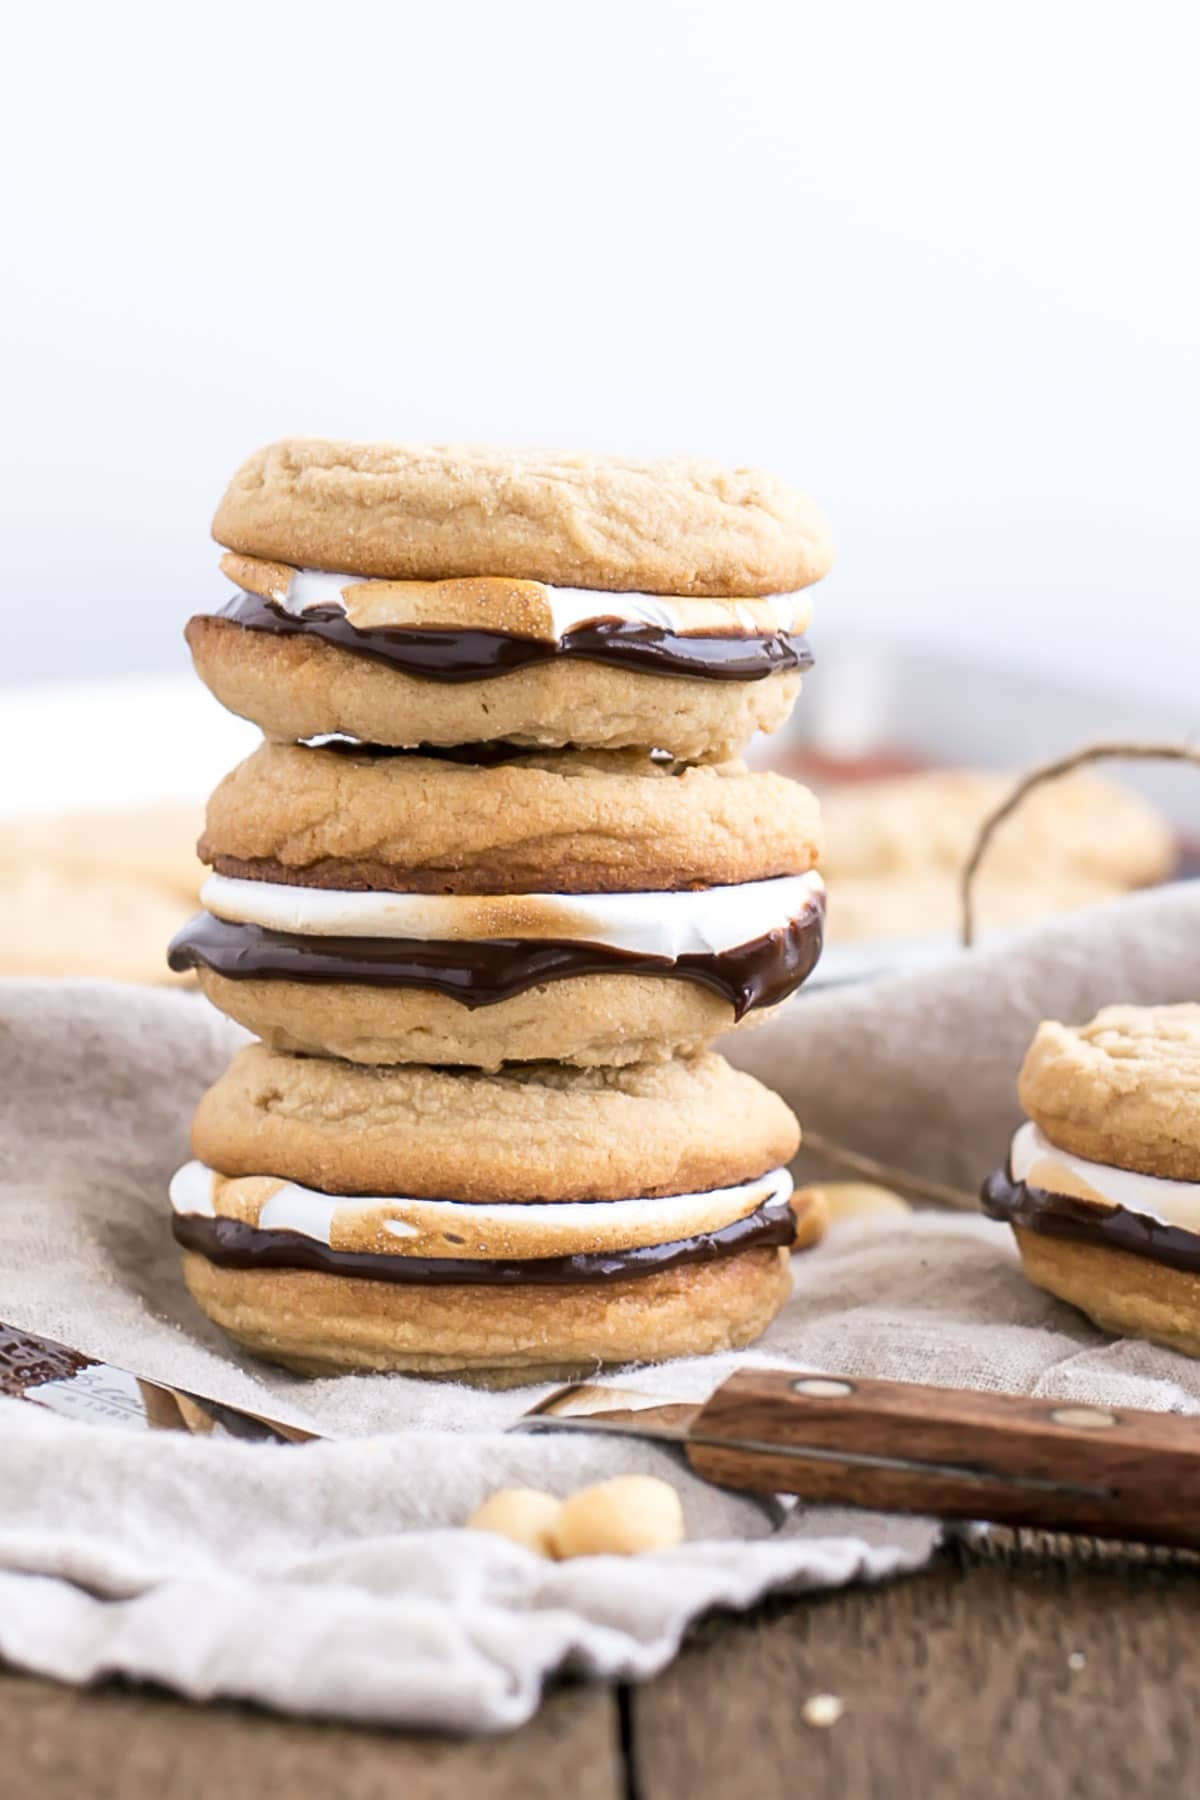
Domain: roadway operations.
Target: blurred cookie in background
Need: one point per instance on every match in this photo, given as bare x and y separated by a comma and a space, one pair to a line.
97, 894
895, 849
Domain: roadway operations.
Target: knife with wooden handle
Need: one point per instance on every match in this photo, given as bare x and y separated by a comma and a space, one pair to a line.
899, 1447
833, 1440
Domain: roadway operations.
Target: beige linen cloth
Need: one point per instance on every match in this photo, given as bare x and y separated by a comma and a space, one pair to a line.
330, 1578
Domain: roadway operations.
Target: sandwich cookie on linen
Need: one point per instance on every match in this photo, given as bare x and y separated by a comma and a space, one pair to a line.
1102, 1187
500, 1228
411, 595
480, 908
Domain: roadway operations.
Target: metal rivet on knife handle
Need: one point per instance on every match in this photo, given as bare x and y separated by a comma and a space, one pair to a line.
1084, 1418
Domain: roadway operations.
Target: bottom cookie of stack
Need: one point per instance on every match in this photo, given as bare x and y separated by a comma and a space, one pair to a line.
529, 1225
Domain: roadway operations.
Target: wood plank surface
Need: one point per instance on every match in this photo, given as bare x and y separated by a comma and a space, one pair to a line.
965, 1681
116, 1743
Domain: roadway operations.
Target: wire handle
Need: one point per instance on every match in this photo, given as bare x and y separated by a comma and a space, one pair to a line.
1053, 771
913, 1185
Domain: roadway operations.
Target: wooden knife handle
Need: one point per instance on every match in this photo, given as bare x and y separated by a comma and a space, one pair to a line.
1046, 1463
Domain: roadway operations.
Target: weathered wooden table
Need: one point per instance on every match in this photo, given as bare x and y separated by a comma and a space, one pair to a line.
1033, 1668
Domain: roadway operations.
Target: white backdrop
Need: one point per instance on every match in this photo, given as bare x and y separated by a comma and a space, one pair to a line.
937, 263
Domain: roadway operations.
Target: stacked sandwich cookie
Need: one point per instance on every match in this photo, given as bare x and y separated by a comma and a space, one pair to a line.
486, 894
1102, 1186
589, 907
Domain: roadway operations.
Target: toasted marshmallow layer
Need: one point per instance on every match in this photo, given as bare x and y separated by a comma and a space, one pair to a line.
689, 922
538, 609
455, 1228
1038, 1162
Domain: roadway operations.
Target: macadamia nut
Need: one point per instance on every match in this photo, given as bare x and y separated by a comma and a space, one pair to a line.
525, 1515
620, 1517
860, 1200
812, 1216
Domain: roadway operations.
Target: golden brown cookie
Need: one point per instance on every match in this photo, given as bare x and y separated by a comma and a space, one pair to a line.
153, 844
608, 1019
562, 822
92, 894
318, 1324
405, 663
895, 850
676, 526
323, 950
1125, 1295
535, 1132
500, 1229
295, 688
318, 940
56, 924
930, 904
1102, 1183
912, 824
1123, 1089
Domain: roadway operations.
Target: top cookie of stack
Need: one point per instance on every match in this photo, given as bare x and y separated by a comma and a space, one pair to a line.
407, 595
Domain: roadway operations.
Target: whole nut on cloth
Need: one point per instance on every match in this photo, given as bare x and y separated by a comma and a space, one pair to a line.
526, 1515
856, 1200
620, 1517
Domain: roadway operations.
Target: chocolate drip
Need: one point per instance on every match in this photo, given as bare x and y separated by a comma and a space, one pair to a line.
1083, 1221
483, 972
462, 653
233, 1245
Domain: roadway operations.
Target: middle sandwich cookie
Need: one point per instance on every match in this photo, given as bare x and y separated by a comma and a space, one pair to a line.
514, 1227
488, 905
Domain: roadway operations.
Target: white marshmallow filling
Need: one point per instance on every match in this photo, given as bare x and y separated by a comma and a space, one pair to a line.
1038, 1163
668, 925
559, 1228
568, 608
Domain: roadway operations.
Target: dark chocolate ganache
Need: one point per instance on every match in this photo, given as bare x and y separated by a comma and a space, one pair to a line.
482, 972
462, 653
1066, 1216
233, 1245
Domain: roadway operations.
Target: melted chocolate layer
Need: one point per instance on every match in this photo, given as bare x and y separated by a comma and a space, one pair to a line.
484, 972
232, 1245
471, 756
1066, 1216
461, 653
